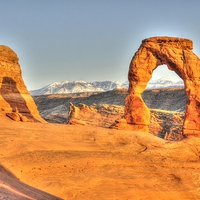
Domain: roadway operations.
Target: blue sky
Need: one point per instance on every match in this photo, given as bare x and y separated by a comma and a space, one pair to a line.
91, 40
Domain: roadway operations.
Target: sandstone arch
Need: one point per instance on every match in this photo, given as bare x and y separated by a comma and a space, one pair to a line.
177, 54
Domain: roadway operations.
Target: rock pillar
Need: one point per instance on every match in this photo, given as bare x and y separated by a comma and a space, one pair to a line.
14, 96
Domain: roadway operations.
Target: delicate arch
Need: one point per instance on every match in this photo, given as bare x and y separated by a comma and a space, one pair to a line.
177, 54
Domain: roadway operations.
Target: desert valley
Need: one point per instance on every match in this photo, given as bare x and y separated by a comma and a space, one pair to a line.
102, 145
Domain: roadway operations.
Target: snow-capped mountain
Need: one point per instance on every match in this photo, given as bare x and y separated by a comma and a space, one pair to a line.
76, 87
83, 86
164, 83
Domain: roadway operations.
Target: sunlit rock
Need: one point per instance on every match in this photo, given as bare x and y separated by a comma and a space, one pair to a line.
14, 96
177, 54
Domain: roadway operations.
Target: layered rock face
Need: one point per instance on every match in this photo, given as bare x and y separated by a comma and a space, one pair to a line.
177, 54
15, 99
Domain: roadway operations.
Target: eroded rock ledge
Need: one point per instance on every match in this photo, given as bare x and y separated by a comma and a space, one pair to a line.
173, 41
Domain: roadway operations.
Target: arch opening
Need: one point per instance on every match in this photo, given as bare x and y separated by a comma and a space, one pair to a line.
166, 99
162, 71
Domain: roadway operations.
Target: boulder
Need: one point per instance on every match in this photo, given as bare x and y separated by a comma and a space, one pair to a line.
76, 122
14, 116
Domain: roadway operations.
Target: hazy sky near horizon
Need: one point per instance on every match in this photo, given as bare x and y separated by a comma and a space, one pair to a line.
91, 40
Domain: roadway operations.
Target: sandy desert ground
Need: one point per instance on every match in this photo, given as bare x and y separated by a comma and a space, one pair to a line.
76, 162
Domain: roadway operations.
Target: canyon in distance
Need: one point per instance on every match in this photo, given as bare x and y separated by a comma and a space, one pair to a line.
79, 146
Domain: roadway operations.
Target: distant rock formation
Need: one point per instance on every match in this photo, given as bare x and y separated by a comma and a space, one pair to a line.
177, 54
15, 100
102, 115
164, 124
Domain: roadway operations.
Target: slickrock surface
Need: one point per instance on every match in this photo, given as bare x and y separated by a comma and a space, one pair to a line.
14, 96
85, 162
12, 189
177, 54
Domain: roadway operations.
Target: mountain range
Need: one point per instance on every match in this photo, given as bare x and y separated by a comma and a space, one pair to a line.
79, 86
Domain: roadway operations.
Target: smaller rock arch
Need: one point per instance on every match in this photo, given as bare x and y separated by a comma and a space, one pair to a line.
177, 54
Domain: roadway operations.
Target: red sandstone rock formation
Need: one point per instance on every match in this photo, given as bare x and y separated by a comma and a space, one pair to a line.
177, 54
99, 115
15, 99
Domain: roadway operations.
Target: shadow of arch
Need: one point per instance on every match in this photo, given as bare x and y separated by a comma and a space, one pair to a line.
12, 96
177, 55
12, 188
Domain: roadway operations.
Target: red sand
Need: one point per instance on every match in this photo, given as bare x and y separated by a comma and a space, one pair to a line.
88, 162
